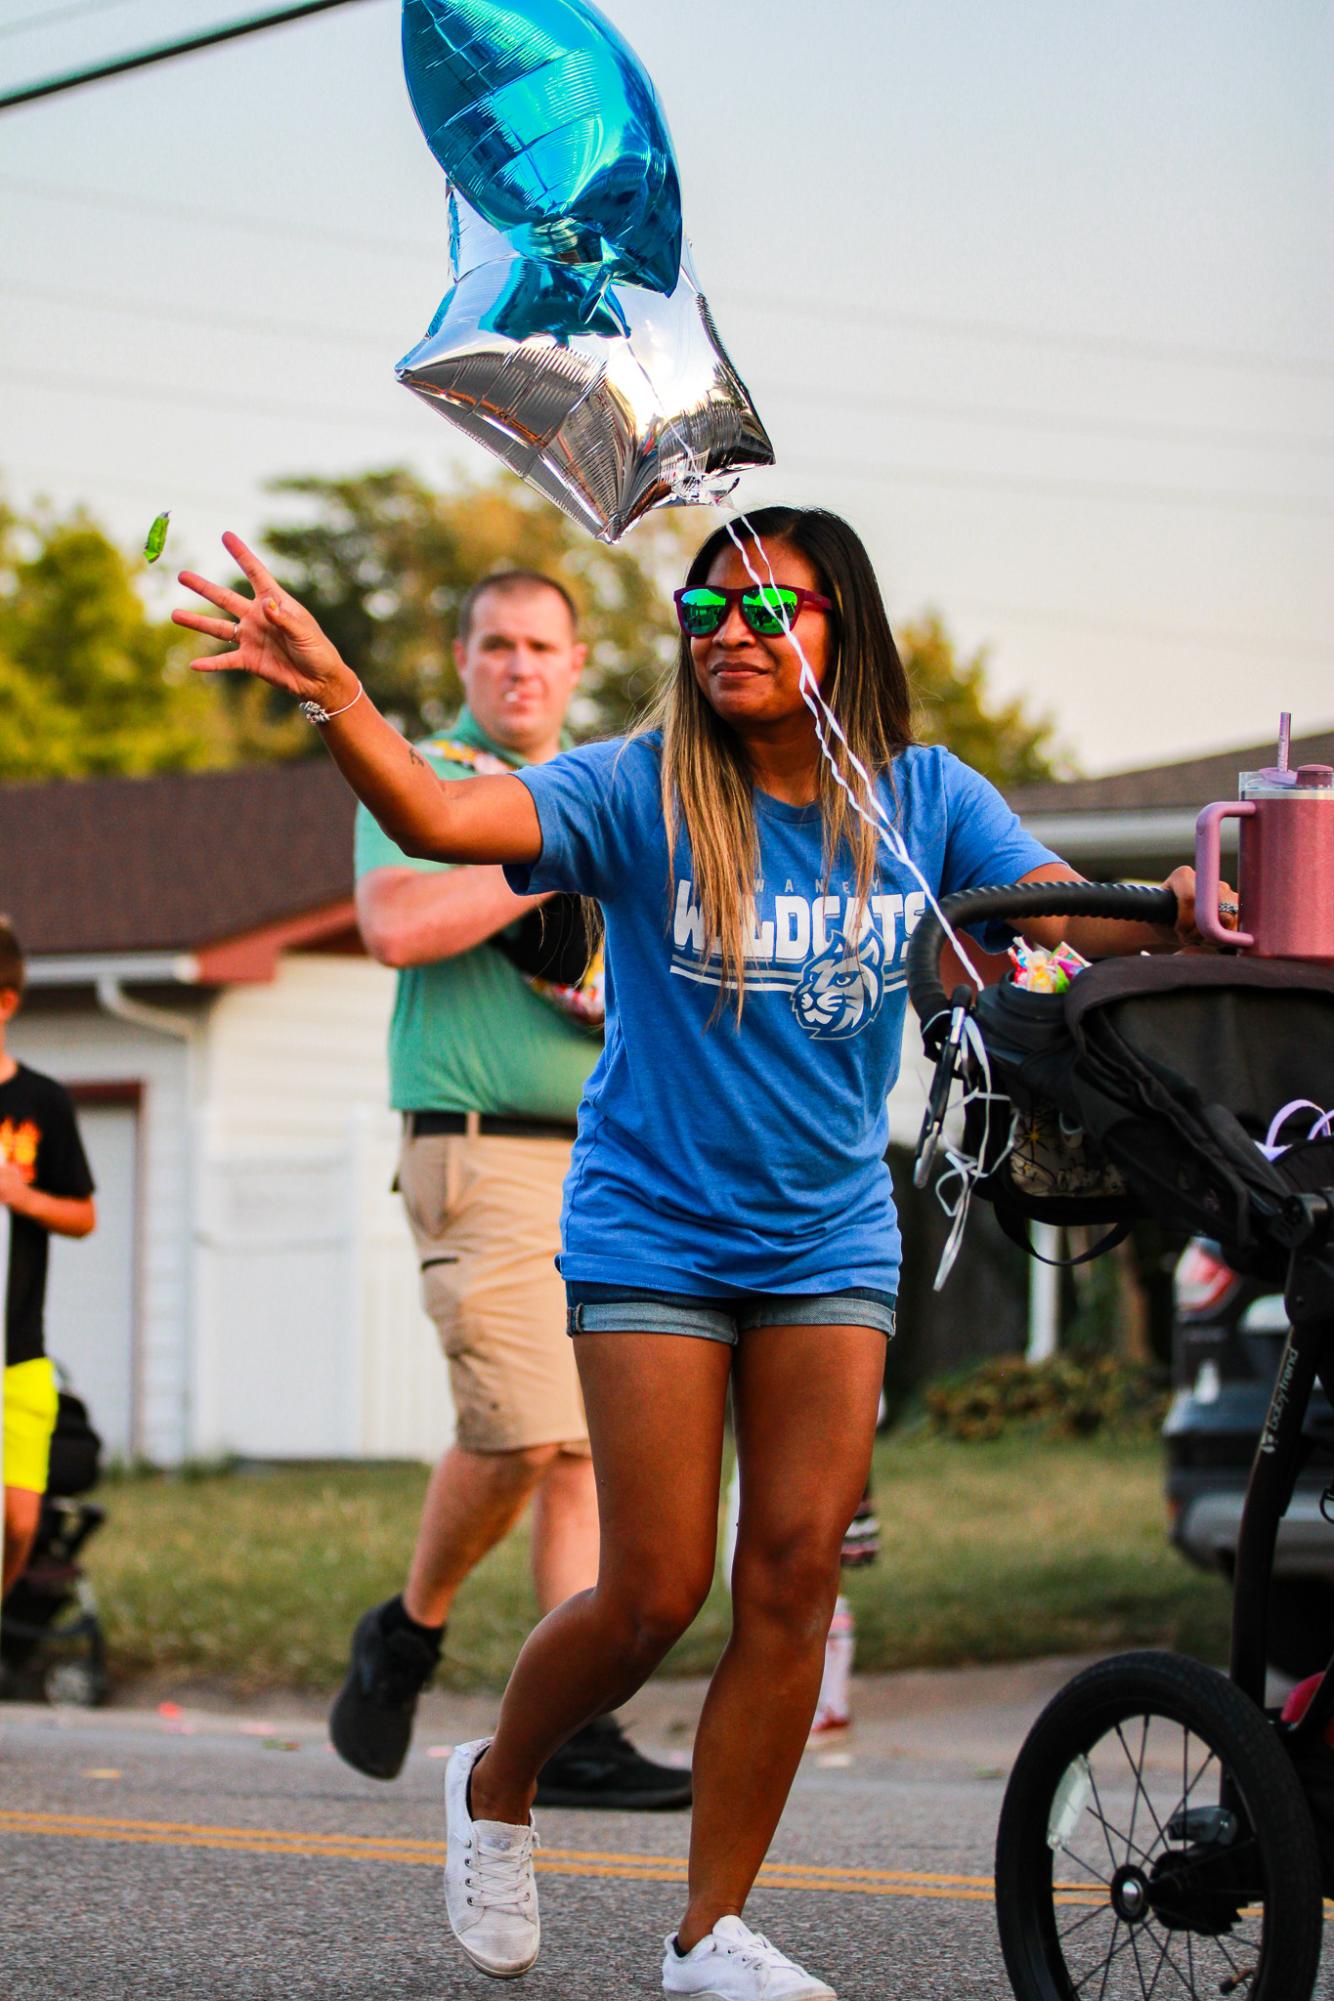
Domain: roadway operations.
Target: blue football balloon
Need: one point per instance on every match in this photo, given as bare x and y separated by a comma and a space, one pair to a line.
545, 122
573, 341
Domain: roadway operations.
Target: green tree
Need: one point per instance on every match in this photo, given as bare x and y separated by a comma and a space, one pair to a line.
952, 705
383, 560
90, 685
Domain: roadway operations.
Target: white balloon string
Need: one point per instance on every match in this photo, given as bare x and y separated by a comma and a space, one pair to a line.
826, 721
969, 1170
689, 482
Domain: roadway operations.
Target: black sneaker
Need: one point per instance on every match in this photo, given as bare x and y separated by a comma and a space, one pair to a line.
371, 1720
601, 1767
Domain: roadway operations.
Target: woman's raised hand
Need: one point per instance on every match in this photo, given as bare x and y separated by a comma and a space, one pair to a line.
273, 636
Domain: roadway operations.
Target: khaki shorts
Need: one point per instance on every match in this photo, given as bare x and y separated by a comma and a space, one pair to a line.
485, 1217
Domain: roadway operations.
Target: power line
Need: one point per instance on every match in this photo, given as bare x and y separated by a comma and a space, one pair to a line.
1172, 496
122, 389
834, 315
1027, 421
157, 310
253, 225
1119, 347
122, 482
29, 21
1030, 421
1266, 648
162, 52
899, 475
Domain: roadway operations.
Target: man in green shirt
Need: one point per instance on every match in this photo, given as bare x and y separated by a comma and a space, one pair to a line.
489, 1047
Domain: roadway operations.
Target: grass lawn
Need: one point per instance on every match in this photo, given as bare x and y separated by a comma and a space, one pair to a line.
992, 1552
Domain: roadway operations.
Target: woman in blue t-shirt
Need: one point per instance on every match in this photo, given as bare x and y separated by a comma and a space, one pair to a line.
728, 1214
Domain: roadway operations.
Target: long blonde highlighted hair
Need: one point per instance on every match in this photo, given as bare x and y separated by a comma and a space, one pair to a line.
706, 781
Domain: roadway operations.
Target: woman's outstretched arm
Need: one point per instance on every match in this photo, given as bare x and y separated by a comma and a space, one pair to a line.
1111, 937
277, 640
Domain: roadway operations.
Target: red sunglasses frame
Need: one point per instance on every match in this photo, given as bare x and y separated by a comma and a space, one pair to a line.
735, 597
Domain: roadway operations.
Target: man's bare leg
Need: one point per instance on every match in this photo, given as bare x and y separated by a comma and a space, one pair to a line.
23, 1511
565, 1530
472, 1500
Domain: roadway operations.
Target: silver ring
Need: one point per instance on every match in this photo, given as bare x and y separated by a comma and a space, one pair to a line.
1228, 909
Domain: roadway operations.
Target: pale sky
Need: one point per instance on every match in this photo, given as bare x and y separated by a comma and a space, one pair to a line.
1041, 296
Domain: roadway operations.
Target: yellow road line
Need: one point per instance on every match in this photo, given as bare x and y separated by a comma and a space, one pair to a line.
431, 1854
586, 1863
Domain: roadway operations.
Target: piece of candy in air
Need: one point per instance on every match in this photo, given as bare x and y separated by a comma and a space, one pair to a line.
156, 540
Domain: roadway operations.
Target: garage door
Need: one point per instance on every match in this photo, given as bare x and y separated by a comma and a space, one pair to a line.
90, 1300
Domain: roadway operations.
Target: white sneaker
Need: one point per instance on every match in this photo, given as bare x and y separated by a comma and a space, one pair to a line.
736, 1964
490, 1892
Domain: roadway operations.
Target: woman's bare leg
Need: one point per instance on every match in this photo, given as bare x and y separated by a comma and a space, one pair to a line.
805, 1402
655, 1405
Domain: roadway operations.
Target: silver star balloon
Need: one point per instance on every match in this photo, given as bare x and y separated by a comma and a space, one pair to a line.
574, 341
642, 408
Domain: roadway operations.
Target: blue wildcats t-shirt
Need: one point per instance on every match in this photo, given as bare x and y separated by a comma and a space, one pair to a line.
717, 1159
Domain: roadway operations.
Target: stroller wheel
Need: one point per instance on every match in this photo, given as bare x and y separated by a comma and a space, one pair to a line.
1155, 1840
77, 1684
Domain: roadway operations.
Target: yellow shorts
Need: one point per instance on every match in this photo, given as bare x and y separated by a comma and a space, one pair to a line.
30, 1419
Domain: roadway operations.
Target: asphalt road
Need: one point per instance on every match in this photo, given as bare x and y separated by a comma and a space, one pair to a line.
220, 1855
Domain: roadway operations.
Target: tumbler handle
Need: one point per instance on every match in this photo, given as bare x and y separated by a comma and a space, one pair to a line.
1208, 870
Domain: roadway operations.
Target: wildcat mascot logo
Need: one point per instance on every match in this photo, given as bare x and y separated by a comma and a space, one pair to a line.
841, 989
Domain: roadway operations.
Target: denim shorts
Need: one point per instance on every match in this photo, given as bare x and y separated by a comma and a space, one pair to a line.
600, 1309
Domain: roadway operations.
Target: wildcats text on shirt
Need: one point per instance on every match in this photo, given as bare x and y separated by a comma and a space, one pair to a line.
801, 927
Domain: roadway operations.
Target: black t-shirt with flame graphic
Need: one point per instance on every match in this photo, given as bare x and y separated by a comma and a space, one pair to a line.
39, 1136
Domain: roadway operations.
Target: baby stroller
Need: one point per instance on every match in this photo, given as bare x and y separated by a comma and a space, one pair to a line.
1162, 1834
51, 1643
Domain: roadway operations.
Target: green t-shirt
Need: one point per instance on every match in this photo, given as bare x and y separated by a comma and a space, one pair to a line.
468, 1034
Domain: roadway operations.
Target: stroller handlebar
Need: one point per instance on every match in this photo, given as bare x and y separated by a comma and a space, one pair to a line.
1130, 901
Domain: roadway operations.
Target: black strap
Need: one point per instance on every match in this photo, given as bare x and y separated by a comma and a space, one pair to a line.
1015, 1226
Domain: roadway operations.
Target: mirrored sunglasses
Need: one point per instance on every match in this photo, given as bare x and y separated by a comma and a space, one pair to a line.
768, 609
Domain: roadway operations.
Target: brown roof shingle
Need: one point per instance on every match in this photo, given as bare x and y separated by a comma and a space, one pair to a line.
173, 863
1191, 783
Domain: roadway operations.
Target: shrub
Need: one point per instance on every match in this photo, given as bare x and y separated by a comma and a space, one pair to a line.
1063, 1398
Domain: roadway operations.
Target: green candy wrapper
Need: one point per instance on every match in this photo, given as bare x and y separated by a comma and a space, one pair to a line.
157, 538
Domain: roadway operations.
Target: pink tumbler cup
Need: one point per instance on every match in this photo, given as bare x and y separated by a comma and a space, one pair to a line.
1286, 883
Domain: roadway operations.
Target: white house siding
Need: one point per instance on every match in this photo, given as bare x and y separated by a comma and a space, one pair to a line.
289, 1060
311, 1339
277, 1302
72, 1039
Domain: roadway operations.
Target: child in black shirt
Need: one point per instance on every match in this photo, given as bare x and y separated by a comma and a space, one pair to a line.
45, 1189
